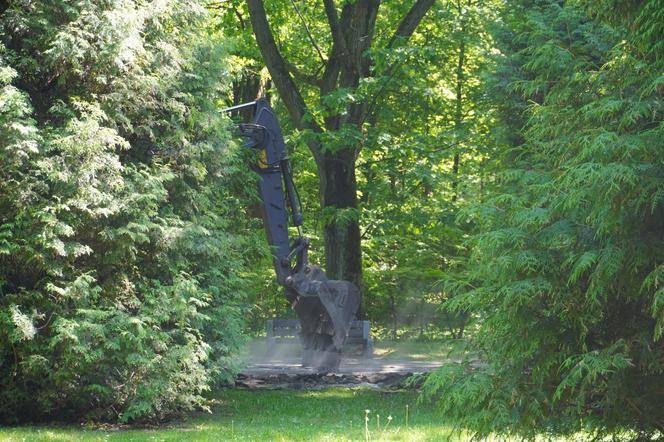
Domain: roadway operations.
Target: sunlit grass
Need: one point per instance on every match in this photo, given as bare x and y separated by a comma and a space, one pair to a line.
331, 415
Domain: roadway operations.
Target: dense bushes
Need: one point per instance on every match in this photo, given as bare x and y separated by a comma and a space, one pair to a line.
120, 206
571, 245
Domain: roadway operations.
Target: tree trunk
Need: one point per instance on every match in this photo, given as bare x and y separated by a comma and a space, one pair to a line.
338, 190
458, 112
393, 306
347, 63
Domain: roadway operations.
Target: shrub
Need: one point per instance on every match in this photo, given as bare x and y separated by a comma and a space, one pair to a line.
570, 247
121, 242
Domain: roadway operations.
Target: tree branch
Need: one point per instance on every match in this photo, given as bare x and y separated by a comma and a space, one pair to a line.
240, 18
306, 29
410, 22
278, 69
404, 31
338, 51
335, 28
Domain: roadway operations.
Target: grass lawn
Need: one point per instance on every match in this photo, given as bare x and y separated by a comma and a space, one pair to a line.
330, 415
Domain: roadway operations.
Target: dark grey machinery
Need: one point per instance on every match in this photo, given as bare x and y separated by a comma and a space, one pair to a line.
325, 307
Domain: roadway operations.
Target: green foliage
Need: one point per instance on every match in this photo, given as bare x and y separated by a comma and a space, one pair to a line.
409, 196
122, 237
569, 252
403, 189
432, 114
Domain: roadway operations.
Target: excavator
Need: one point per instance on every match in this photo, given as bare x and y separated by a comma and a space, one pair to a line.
325, 307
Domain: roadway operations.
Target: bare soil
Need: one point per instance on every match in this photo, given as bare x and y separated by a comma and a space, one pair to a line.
280, 368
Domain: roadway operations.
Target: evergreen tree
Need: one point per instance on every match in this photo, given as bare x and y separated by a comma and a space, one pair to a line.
121, 228
570, 252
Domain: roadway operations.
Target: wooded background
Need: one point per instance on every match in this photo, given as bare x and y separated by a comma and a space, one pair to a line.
485, 171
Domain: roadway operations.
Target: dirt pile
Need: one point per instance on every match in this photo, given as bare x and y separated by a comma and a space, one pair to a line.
319, 381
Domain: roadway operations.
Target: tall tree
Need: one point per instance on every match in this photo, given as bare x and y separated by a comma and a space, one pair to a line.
345, 65
121, 211
568, 260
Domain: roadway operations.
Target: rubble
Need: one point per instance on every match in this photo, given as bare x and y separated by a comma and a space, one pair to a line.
319, 381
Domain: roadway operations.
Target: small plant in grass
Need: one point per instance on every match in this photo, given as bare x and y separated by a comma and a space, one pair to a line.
379, 430
406, 416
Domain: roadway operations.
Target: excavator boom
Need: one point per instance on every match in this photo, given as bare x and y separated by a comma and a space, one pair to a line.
325, 307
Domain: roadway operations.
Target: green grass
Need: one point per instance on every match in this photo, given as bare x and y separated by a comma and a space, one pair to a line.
330, 415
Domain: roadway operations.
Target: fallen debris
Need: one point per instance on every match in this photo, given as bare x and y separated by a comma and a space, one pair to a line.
318, 381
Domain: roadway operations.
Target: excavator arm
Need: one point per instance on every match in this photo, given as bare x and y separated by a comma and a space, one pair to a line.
325, 307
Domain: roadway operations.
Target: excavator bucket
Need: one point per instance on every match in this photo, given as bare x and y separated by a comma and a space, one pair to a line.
325, 308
